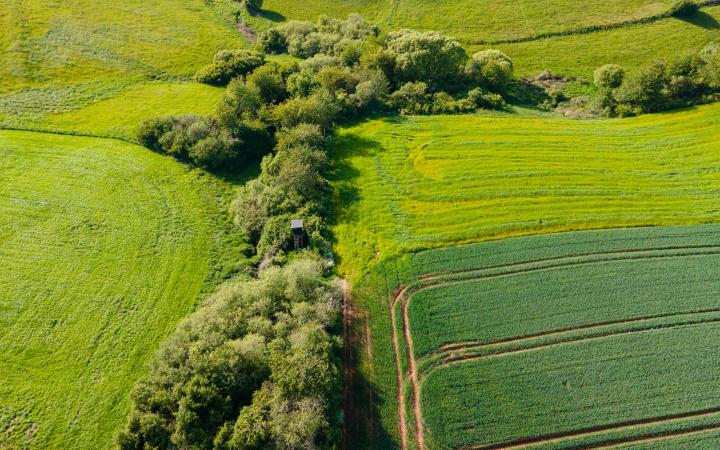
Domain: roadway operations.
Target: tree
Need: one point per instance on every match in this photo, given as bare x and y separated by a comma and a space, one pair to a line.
609, 76
229, 64
269, 83
253, 5
428, 56
490, 69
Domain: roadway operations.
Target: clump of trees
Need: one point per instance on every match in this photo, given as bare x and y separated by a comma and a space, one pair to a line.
688, 80
255, 368
229, 64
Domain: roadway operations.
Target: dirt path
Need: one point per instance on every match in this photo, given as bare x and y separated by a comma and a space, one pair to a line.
398, 370
248, 33
413, 373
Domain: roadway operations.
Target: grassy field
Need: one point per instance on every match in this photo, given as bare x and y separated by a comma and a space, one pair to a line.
104, 247
116, 114
409, 183
481, 23
514, 339
46, 43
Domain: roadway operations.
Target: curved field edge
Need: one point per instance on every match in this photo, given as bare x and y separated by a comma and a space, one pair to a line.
411, 183
105, 246
375, 392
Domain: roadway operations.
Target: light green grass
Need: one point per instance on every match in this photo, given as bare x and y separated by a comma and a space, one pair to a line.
631, 47
117, 115
409, 183
56, 42
104, 247
472, 20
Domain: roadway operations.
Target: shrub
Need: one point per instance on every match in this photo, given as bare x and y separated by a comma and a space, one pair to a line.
269, 83
429, 57
372, 93
271, 41
444, 103
229, 64
152, 130
646, 89
302, 84
410, 98
336, 79
609, 76
490, 69
318, 62
319, 108
486, 100
253, 5
240, 102
304, 134
682, 8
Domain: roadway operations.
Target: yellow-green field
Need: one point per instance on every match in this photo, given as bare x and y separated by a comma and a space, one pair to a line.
409, 183
115, 116
104, 247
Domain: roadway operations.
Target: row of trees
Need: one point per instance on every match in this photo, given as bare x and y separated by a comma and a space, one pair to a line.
255, 368
688, 80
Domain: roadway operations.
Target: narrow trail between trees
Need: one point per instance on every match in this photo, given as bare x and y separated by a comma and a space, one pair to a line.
405, 293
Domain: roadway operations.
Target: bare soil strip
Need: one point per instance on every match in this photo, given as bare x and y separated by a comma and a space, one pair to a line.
428, 281
627, 425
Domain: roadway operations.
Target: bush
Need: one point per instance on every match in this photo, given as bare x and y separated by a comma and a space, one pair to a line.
240, 102
319, 108
490, 69
430, 57
486, 100
229, 64
646, 90
444, 103
372, 93
269, 83
253, 5
336, 79
271, 41
302, 84
609, 76
411, 98
304, 134
150, 131
682, 8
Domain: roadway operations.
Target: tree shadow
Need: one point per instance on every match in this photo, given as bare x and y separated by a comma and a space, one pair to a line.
272, 16
701, 19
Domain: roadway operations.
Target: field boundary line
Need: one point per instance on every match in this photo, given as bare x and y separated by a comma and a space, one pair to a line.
657, 437
404, 294
626, 425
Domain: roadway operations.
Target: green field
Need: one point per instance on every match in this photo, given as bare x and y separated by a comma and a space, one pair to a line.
409, 183
118, 115
558, 339
104, 247
482, 23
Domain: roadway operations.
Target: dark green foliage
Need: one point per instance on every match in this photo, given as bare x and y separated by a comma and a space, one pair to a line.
253, 5
429, 57
320, 108
688, 80
229, 64
682, 8
486, 100
271, 41
490, 69
225, 378
269, 83
410, 98
302, 84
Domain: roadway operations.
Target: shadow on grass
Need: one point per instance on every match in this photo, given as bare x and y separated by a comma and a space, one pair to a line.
272, 16
702, 20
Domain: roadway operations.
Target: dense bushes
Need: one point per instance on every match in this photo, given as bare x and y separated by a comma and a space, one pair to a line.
661, 86
254, 368
490, 69
229, 64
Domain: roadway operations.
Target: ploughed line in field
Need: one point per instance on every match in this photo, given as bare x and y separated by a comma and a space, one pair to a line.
620, 426
404, 293
487, 351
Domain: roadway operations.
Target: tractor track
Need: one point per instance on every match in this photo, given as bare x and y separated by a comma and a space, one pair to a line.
404, 294
626, 425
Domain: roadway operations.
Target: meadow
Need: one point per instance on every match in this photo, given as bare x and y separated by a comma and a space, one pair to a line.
104, 247
411, 183
598, 319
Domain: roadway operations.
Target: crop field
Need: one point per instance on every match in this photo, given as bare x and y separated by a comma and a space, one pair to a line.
104, 247
590, 338
411, 183
115, 114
